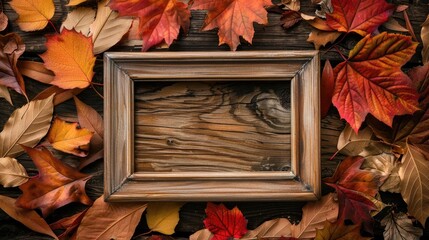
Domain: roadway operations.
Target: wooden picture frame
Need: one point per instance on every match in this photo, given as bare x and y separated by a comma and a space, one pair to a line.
123, 181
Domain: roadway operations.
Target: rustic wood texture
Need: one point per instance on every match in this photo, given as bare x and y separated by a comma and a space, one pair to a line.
271, 37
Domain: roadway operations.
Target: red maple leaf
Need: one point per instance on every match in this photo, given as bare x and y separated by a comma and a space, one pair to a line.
160, 20
360, 16
350, 176
224, 223
234, 18
371, 80
56, 185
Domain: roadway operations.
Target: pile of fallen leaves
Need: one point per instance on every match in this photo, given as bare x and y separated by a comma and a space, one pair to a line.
386, 141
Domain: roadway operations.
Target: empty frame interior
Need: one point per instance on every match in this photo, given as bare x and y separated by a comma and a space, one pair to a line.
191, 126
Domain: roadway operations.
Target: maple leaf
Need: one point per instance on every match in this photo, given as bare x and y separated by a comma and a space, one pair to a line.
160, 20
70, 56
56, 185
225, 223
234, 18
11, 48
399, 226
371, 80
33, 14
69, 224
339, 231
349, 175
360, 16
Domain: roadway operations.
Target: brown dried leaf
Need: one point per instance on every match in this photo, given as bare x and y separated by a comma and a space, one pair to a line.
26, 126
79, 19
110, 220
321, 38
352, 144
290, 18
339, 231
3, 21
36, 71
4, 93
11, 48
425, 40
386, 165
29, 218
203, 234
272, 228
12, 173
294, 5
399, 226
61, 95
394, 25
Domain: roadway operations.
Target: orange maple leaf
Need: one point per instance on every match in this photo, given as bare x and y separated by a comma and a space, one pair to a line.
66, 137
160, 20
371, 80
56, 185
33, 14
69, 55
360, 16
234, 18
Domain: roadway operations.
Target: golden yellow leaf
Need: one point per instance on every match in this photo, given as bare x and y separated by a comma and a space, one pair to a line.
66, 137
163, 217
33, 14
70, 57
12, 173
26, 126
75, 2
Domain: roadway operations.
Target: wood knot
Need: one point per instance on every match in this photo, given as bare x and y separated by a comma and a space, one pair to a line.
170, 141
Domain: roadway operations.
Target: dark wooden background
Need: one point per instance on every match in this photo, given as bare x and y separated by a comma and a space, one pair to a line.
271, 37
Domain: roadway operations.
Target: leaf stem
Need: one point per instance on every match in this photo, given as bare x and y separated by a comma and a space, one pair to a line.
341, 54
95, 90
53, 26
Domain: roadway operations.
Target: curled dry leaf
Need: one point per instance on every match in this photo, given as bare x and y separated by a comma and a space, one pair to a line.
3, 21
108, 28
12, 173
29, 218
68, 138
4, 93
399, 226
36, 71
339, 231
56, 185
326, 89
11, 48
26, 126
79, 19
234, 18
69, 55
414, 174
425, 40
33, 14
160, 20
321, 38
225, 223
68, 224
163, 217
110, 220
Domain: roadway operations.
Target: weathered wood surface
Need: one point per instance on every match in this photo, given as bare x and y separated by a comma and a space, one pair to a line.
202, 126
271, 37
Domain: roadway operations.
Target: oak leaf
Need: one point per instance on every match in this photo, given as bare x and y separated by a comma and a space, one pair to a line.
234, 18
163, 217
12, 173
11, 48
339, 231
371, 80
225, 223
70, 56
160, 20
56, 185
110, 220
79, 19
33, 14
29, 218
360, 16
68, 224
68, 138
399, 226
3, 21
27, 126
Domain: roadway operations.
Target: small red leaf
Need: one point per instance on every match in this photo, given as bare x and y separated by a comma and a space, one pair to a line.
327, 88
224, 223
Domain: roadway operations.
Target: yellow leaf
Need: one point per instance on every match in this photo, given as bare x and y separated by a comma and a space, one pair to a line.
66, 137
70, 57
163, 217
75, 2
12, 173
33, 14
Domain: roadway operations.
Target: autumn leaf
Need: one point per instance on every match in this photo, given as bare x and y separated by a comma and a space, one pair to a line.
68, 138
33, 14
234, 18
290, 18
203, 234
69, 55
273, 228
36, 71
425, 40
351, 143
61, 95
339, 231
371, 80
321, 38
12, 173
163, 217
4, 93
294, 5
11, 48
79, 19
225, 223
160, 20
414, 174
360, 16
29, 218
3, 21
326, 88
68, 224
56, 185
386, 165
110, 220
399, 226
75, 2
27, 126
